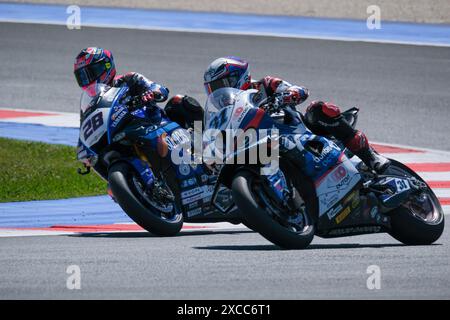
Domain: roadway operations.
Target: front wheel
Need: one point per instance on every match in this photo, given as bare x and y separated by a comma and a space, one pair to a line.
420, 220
155, 217
294, 232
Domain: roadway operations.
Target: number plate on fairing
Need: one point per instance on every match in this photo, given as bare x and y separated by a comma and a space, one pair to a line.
336, 184
94, 127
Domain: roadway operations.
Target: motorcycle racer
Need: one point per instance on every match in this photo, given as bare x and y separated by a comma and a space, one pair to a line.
95, 65
323, 118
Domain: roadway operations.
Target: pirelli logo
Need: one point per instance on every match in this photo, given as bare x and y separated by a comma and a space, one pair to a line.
343, 215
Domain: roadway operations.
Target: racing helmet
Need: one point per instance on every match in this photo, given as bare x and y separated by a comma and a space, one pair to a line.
227, 72
92, 66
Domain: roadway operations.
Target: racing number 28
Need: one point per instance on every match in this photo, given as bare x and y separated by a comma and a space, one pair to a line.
92, 125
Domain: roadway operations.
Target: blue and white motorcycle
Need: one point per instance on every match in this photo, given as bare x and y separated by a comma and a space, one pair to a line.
318, 188
134, 155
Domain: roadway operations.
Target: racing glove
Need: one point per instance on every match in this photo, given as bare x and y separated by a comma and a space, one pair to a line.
147, 97
294, 95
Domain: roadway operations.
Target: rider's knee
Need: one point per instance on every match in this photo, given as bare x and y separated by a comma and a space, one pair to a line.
357, 142
323, 110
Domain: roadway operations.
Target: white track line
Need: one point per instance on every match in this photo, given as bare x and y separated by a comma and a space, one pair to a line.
55, 119
69, 121
203, 227
404, 146
7, 233
435, 176
442, 193
412, 157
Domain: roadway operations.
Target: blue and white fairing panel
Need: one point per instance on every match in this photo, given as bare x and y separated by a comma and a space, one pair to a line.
94, 127
106, 116
84, 154
335, 184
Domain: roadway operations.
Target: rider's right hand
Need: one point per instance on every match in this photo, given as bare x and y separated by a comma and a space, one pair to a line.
147, 97
141, 100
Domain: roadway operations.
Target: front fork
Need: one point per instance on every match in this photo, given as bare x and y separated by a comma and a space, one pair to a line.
143, 167
144, 170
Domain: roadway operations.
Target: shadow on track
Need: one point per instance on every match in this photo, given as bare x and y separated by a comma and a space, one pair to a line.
311, 247
149, 235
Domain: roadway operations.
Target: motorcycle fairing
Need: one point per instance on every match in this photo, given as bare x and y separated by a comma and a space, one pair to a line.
84, 153
195, 191
400, 188
94, 127
335, 184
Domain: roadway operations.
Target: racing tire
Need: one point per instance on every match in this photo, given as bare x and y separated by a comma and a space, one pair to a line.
410, 229
144, 215
259, 220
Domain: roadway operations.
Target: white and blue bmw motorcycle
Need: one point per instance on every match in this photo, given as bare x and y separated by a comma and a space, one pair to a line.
318, 188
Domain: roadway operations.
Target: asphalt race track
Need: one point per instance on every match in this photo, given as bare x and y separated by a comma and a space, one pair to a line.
404, 95
220, 265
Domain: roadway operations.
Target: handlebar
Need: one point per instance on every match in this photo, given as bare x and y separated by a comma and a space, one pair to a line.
272, 104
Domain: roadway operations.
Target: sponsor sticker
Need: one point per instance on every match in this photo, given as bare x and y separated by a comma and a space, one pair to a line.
343, 215
194, 212
355, 202
350, 197
329, 199
332, 213
204, 193
351, 230
188, 183
339, 174
184, 169
193, 205
192, 199
238, 112
118, 118
178, 137
191, 192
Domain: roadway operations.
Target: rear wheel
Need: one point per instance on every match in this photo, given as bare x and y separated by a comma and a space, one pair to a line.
419, 221
293, 231
156, 216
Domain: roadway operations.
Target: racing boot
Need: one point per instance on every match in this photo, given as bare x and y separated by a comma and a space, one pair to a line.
374, 160
359, 145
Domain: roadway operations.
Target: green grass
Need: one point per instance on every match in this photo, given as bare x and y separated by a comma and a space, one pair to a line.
38, 171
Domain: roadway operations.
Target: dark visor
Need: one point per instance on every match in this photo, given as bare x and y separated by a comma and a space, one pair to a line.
89, 74
229, 82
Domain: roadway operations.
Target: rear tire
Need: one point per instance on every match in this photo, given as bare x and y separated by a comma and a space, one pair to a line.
411, 231
409, 228
144, 215
259, 219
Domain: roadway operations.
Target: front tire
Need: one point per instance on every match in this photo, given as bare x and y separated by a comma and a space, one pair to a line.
146, 216
259, 219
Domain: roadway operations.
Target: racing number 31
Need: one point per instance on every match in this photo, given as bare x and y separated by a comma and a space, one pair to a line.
92, 125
